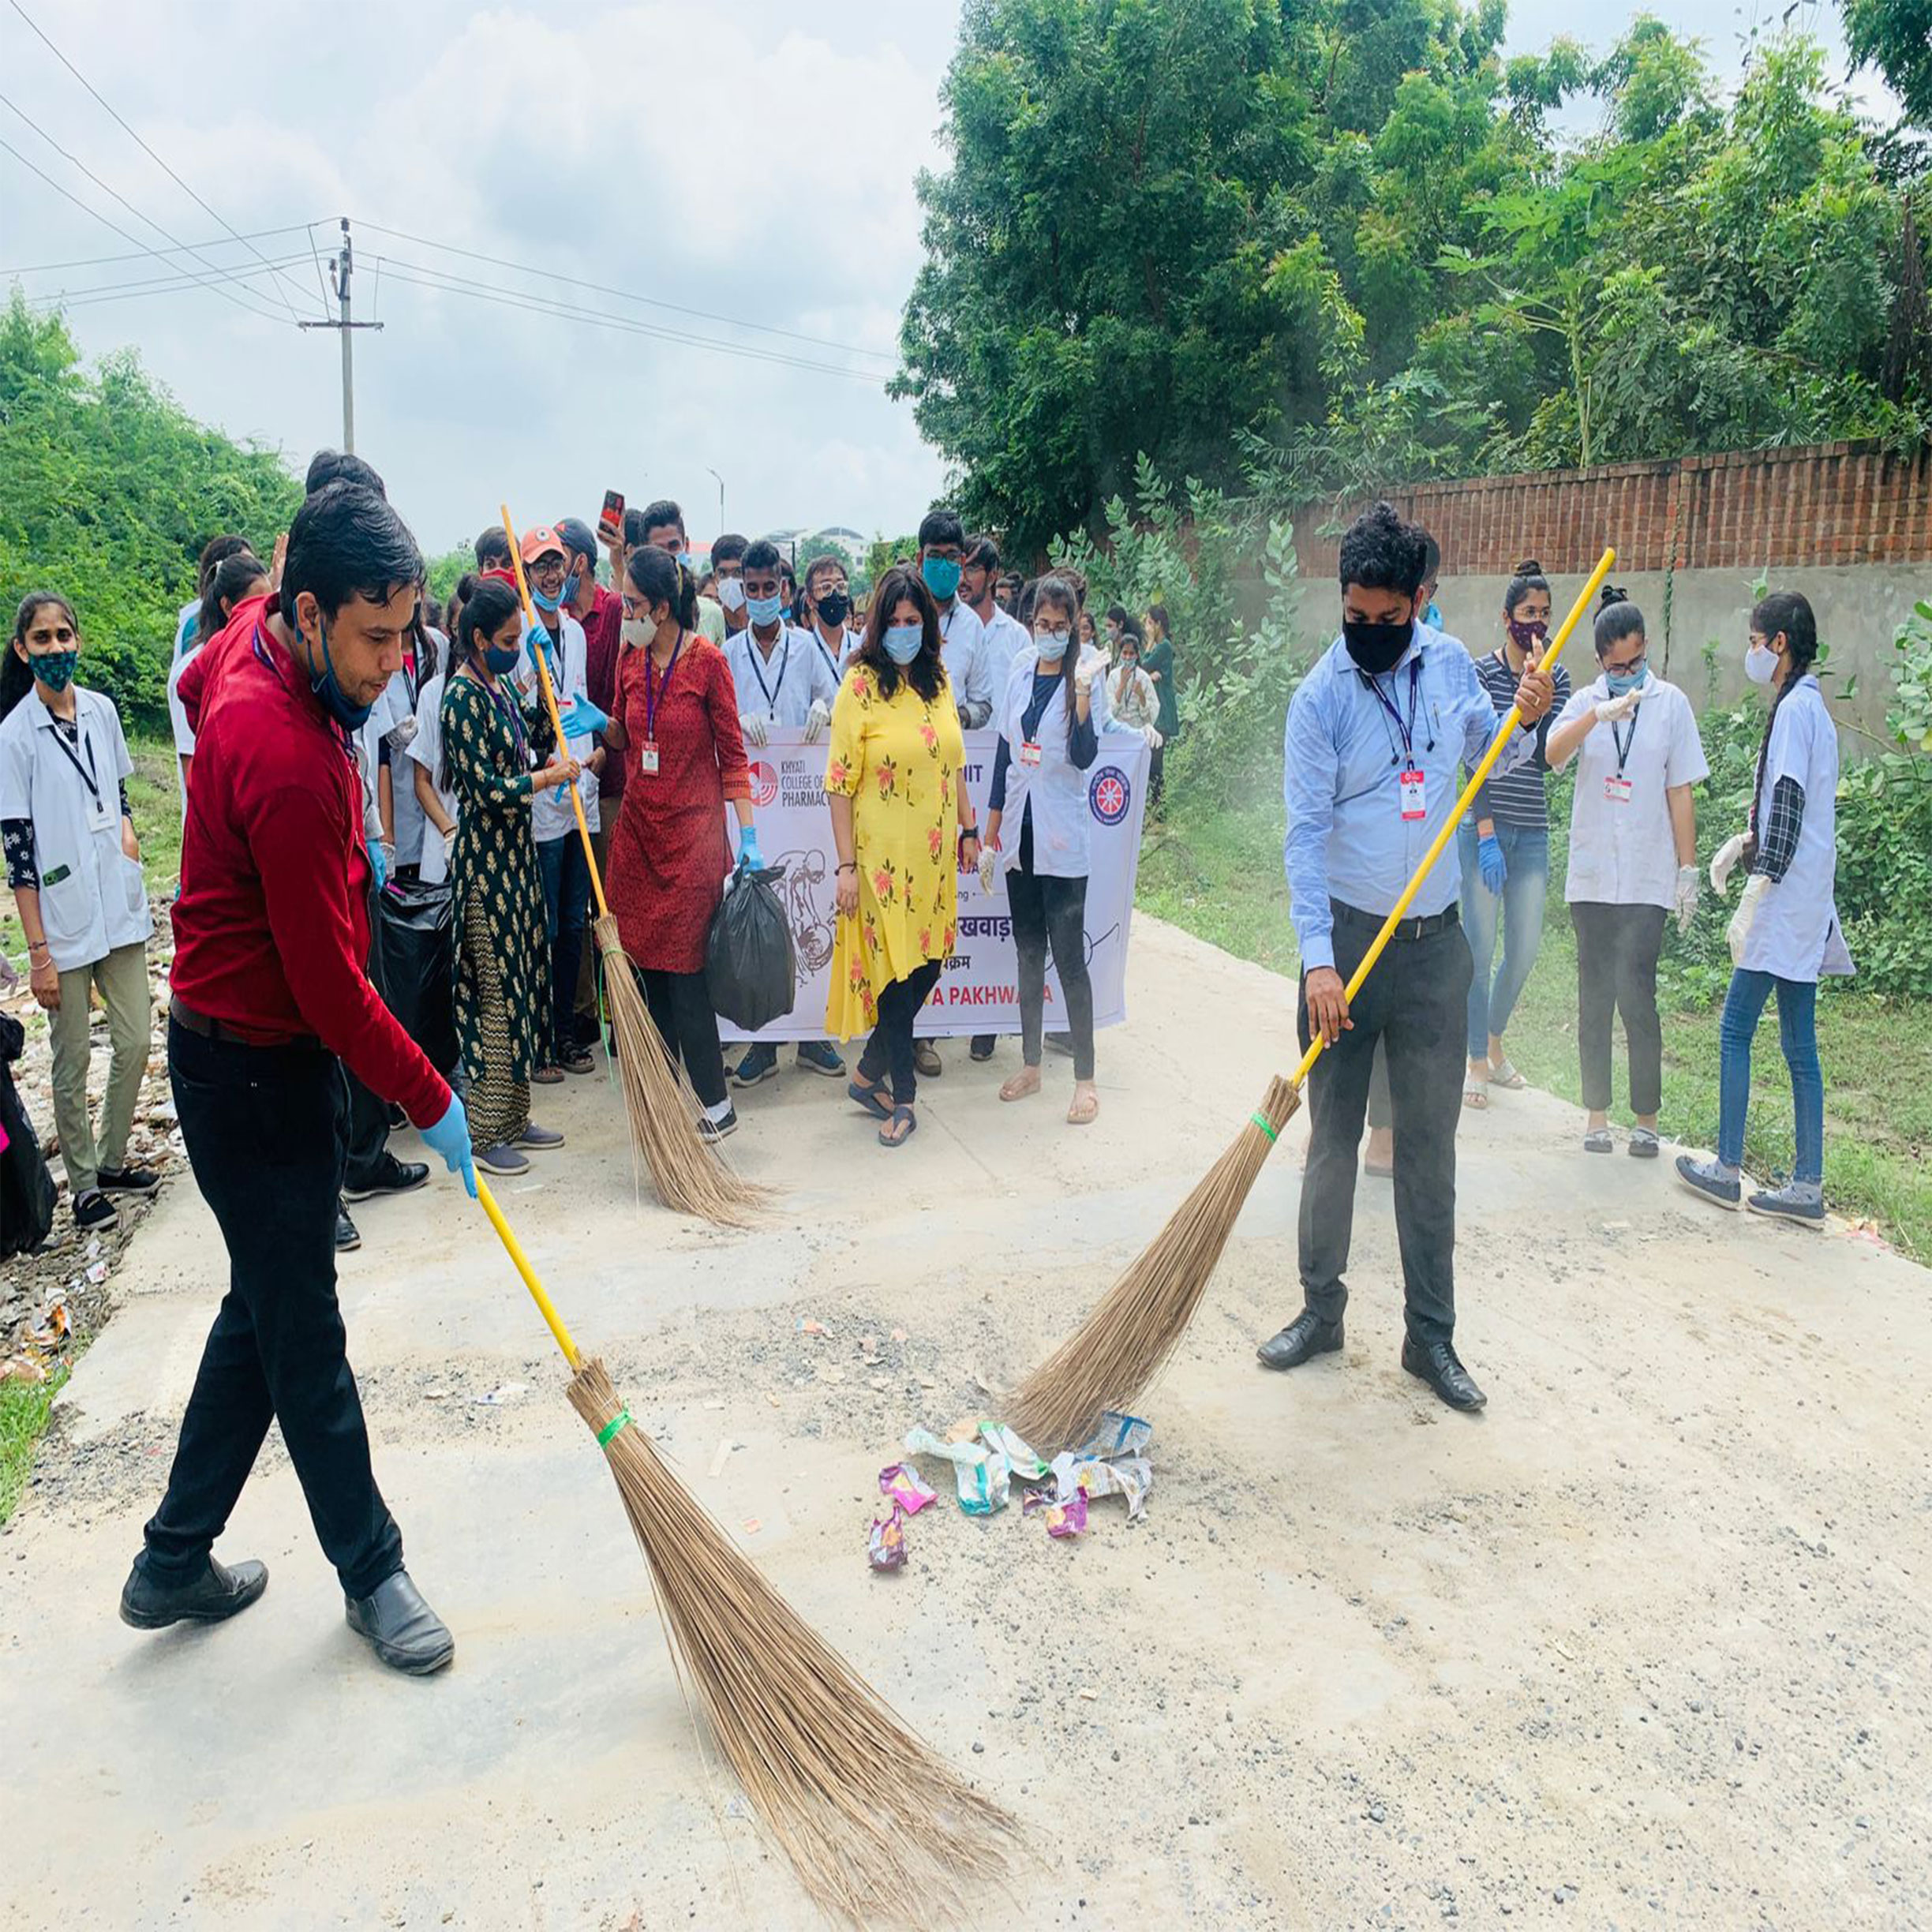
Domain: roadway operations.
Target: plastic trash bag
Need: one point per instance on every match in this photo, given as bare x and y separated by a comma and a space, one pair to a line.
26, 1187
418, 950
750, 965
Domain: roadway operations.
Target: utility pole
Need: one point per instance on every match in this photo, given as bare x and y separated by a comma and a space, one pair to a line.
719, 482
342, 268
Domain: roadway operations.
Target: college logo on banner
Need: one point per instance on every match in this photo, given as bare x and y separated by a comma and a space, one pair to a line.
764, 783
1109, 796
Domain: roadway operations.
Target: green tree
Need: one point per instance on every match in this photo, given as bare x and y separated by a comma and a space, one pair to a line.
1896, 37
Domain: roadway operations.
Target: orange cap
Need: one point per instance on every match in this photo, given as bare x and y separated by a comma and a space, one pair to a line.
538, 541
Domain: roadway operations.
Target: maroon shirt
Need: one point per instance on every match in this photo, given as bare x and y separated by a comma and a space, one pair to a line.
603, 629
271, 923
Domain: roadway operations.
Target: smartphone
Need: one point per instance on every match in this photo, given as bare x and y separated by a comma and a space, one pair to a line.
610, 518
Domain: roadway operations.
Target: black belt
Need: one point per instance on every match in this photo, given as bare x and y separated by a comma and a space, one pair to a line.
222, 1030
1425, 928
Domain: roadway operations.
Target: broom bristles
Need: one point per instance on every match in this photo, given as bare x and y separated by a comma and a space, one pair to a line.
1108, 1361
875, 1823
690, 1176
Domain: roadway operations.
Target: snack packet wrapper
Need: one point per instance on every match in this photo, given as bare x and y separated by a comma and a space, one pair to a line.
1131, 1477
983, 1475
906, 1487
1023, 1462
886, 1547
1118, 1436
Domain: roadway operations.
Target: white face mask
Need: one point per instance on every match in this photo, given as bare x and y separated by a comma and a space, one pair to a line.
639, 631
732, 593
1761, 664
1051, 645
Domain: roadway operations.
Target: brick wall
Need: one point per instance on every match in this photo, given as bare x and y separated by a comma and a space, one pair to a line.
1830, 503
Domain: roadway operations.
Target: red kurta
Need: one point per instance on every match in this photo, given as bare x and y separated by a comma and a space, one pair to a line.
668, 855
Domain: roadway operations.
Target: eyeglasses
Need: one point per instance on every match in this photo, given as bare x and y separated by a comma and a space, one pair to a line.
1627, 670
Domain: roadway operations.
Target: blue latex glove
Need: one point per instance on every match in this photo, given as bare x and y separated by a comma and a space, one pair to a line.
378, 865
581, 717
1489, 858
536, 638
449, 1137
748, 853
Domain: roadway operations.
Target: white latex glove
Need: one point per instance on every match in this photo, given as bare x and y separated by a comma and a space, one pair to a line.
449, 844
754, 728
1155, 741
1614, 710
1742, 919
1690, 888
816, 719
1723, 860
989, 868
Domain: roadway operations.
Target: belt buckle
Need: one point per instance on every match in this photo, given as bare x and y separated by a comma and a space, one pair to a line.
1415, 927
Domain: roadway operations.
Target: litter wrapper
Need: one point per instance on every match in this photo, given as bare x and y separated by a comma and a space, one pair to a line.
983, 1475
1118, 1436
886, 1548
1065, 1519
906, 1487
1131, 1477
1021, 1460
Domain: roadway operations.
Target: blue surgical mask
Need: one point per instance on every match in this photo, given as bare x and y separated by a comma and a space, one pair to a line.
1052, 645
942, 575
1621, 682
336, 700
903, 641
55, 669
766, 609
572, 584
547, 603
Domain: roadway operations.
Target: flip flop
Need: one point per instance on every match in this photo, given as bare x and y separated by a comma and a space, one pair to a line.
887, 1138
1598, 1141
1475, 1091
1502, 1074
868, 1098
1084, 1110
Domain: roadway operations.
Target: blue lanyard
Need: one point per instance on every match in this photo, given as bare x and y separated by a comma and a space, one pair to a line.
1387, 704
651, 694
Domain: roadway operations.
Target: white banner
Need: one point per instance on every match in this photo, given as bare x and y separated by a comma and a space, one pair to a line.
978, 992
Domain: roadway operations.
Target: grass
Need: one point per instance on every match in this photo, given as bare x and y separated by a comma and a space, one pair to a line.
1218, 874
24, 1408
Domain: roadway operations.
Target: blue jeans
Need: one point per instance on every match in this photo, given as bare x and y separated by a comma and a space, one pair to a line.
566, 901
1798, 1033
1525, 851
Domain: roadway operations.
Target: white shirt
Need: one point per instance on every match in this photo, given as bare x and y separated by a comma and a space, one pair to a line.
1795, 933
550, 816
784, 687
848, 644
410, 822
1006, 636
186, 646
425, 749
1056, 788
93, 898
1623, 851
968, 668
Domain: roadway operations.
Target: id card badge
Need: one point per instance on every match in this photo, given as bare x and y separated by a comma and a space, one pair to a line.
647, 760
1414, 794
102, 813
1617, 788
1029, 754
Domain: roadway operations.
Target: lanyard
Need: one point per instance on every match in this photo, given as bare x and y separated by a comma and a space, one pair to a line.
752, 652
1623, 743
652, 695
1388, 704
508, 709
832, 663
88, 776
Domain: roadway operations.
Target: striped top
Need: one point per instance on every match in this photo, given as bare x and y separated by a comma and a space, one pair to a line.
1517, 798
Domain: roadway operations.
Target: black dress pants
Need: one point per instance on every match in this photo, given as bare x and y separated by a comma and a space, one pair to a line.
1050, 914
680, 1008
1617, 948
889, 1046
263, 1130
369, 1117
1414, 1004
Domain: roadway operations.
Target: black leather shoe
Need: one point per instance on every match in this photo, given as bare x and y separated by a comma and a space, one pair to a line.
402, 1629
1307, 1334
217, 1593
1435, 1363
389, 1176
347, 1238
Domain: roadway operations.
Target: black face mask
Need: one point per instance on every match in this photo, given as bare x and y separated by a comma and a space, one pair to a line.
1377, 647
834, 607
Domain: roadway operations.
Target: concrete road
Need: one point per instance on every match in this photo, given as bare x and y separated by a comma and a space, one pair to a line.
1646, 1644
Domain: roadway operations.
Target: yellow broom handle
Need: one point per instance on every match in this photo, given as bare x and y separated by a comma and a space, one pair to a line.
1551, 651
514, 1248
557, 720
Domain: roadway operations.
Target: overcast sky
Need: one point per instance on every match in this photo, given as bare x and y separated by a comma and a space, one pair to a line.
770, 183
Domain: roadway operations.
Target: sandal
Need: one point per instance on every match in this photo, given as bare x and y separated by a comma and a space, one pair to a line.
1475, 1091
1598, 1141
1018, 1086
1086, 1107
1643, 1143
1502, 1074
868, 1098
889, 1136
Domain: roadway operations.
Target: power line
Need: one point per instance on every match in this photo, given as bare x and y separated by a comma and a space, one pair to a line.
145, 149
651, 301
87, 295
101, 261
221, 273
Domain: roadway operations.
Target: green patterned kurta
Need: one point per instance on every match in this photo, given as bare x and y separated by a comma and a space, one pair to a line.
493, 871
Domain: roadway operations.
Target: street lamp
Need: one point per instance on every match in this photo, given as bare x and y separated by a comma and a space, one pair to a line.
719, 482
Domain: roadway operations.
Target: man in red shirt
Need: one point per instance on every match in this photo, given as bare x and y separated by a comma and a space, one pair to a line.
270, 1002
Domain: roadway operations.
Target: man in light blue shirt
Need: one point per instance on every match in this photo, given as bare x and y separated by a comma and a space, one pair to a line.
1376, 733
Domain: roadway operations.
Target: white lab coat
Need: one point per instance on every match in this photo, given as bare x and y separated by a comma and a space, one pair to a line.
968, 666
412, 828
784, 688
848, 643
1626, 854
186, 644
425, 749
1795, 933
93, 899
1006, 636
550, 816
1056, 788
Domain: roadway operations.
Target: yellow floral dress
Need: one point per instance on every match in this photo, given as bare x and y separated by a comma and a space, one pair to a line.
898, 759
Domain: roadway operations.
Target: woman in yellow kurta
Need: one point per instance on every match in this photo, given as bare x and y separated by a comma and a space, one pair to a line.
905, 830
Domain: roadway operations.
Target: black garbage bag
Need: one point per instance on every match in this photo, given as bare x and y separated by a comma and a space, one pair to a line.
26, 1187
750, 968
418, 950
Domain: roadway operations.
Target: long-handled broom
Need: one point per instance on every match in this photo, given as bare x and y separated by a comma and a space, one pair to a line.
1110, 1358
875, 1823
659, 1103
